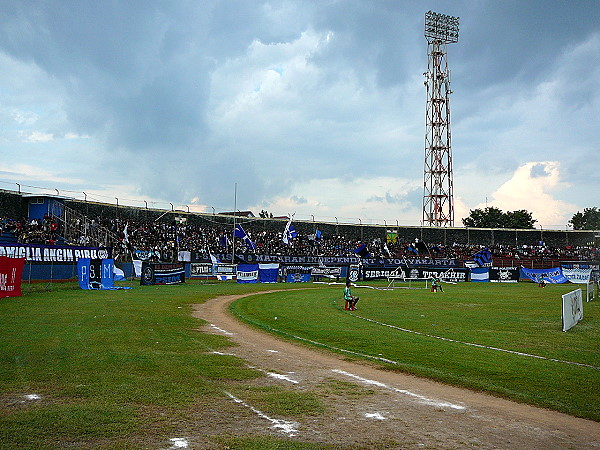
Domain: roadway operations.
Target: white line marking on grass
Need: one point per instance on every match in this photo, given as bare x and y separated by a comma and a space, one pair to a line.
285, 426
220, 329
281, 377
274, 375
376, 416
179, 442
343, 350
475, 345
222, 354
33, 397
419, 397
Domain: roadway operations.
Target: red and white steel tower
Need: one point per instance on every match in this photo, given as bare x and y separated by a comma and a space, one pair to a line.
438, 201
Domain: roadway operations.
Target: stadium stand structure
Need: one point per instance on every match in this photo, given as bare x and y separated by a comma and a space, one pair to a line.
100, 224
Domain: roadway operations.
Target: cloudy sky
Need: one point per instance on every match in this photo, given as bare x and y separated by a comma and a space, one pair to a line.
309, 107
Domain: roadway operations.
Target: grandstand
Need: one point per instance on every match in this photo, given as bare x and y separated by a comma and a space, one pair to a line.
163, 234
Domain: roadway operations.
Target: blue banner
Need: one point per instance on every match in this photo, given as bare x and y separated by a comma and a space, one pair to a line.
162, 273
480, 274
297, 278
267, 273
53, 253
342, 261
553, 275
247, 273
95, 273
297, 274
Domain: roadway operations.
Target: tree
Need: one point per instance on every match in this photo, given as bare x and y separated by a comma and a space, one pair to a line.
492, 217
520, 219
588, 220
484, 218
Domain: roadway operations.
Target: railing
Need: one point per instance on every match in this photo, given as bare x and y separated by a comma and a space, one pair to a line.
78, 229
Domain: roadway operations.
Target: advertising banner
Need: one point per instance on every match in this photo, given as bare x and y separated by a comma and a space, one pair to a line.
95, 273
297, 274
53, 253
201, 270
577, 276
553, 275
225, 270
382, 273
378, 273
247, 273
162, 273
11, 271
572, 309
504, 274
327, 260
329, 272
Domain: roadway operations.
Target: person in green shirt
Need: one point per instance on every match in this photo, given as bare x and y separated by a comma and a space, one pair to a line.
350, 299
435, 285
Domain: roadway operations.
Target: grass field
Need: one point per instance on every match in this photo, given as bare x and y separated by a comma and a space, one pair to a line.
112, 369
429, 334
127, 369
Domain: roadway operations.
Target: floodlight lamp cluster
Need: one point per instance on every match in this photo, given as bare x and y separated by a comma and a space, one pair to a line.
441, 27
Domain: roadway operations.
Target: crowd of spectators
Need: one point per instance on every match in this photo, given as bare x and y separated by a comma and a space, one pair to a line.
163, 241
37, 231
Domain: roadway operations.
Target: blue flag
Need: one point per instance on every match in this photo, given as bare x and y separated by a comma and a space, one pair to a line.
362, 251
483, 257
289, 232
223, 241
240, 233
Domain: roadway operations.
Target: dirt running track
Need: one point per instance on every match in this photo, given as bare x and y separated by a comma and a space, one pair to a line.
397, 411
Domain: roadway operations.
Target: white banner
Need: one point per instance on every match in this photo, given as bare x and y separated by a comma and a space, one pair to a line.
201, 270
184, 256
589, 292
572, 309
247, 276
137, 267
578, 276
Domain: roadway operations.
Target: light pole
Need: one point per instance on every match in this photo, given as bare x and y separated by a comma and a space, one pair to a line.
438, 196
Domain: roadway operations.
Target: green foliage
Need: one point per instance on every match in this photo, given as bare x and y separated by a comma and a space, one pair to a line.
588, 220
492, 217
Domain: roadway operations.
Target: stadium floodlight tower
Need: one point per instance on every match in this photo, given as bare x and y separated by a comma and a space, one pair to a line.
438, 202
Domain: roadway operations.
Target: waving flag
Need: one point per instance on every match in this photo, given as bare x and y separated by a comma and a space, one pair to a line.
483, 257
362, 251
290, 231
223, 241
240, 233
215, 261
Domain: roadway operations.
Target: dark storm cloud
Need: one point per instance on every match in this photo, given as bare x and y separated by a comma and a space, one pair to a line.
190, 97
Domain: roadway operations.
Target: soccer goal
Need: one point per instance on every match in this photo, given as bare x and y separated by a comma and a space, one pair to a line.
401, 282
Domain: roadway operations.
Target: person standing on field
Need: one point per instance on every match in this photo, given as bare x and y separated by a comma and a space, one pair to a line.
350, 299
